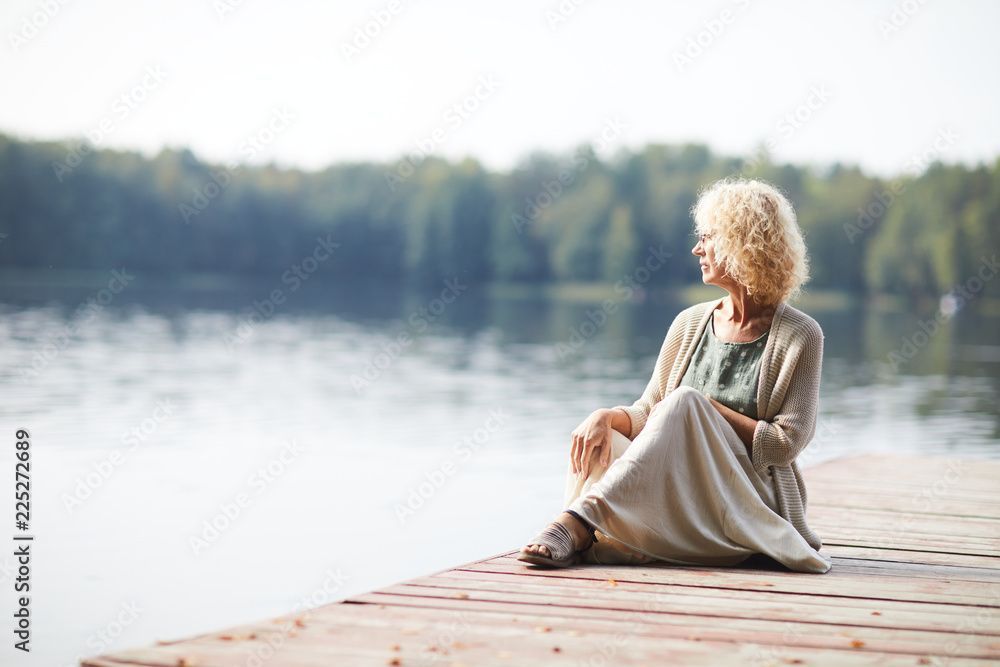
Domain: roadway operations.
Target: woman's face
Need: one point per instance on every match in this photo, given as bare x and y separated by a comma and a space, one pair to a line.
711, 272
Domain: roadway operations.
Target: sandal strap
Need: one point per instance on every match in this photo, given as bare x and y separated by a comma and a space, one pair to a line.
558, 539
584, 523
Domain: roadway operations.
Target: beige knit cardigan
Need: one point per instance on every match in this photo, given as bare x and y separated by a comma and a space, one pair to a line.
787, 396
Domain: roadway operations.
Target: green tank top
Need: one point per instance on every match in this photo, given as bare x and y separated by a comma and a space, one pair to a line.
728, 372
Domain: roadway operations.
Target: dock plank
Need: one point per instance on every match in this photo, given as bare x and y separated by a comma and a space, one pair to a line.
915, 543
721, 602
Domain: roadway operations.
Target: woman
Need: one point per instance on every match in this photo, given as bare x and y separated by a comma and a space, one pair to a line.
701, 469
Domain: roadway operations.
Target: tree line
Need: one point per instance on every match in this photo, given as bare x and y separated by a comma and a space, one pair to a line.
551, 218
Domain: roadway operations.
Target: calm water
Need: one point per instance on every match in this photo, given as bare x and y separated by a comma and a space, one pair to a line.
194, 469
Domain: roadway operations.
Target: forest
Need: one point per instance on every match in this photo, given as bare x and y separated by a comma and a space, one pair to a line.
572, 217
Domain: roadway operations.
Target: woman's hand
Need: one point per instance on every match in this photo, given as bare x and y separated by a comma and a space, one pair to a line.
743, 425
593, 433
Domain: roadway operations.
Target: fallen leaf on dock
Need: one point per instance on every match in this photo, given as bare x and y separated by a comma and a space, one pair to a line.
857, 643
230, 637
542, 628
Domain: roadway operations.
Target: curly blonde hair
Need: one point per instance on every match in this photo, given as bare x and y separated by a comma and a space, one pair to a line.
756, 235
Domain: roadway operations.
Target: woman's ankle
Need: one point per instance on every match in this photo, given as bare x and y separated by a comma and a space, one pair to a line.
588, 530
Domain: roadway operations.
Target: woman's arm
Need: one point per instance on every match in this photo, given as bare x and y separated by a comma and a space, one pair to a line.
620, 421
743, 425
778, 442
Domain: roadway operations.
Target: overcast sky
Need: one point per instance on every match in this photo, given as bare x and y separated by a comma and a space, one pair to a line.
883, 84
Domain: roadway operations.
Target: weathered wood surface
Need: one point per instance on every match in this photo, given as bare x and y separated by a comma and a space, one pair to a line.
915, 543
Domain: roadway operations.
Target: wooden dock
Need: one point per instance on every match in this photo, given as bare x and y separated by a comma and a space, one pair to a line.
915, 543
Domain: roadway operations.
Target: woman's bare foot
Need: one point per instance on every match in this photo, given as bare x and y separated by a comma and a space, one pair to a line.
581, 536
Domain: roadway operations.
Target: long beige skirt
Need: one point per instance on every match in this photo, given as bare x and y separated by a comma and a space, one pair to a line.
685, 492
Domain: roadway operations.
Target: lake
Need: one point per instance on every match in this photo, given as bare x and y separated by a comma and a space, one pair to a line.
210, 455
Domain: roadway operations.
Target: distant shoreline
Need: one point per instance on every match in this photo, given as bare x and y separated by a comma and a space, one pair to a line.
580, 292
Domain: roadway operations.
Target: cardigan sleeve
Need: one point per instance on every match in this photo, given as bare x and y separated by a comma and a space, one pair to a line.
779, 441
653, 394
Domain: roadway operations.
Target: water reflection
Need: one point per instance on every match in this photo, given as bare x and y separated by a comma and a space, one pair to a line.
333, 335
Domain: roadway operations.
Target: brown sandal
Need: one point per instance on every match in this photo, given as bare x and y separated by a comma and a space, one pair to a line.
559, 541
